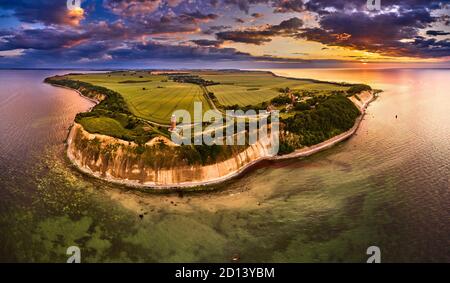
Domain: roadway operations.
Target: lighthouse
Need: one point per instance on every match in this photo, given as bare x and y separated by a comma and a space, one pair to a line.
173, 123
293, 98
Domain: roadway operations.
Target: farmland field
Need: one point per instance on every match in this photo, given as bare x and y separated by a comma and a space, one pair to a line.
152, 97
155, 97
252, 88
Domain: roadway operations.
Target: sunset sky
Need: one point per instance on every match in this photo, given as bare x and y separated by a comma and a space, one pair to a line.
224, 33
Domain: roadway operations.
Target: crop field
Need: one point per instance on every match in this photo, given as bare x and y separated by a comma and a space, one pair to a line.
152, 97
155, 97
252, 88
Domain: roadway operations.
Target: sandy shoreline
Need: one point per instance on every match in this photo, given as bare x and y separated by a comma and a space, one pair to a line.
304, 152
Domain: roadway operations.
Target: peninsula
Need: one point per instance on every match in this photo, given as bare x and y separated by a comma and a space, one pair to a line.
125, 137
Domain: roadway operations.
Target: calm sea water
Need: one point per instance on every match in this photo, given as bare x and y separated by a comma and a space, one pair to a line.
387, 186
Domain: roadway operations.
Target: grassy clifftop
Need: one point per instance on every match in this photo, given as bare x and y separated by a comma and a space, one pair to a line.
111, 116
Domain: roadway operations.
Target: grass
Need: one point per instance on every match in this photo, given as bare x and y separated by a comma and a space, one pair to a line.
155, 97
253, 88
105, 126
151, 97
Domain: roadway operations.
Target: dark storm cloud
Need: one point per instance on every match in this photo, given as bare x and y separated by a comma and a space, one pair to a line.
167, 22
137, 52
289, 25
154, 51
214, 29
80, 54
41, 39
207, 42
50, 38
388, 26
285, 6
437, 32
445, 19
428, 48
262, 35
132, 7
257, 15
394, 34
198, 16
84, 50
282, 6
164, 25
322, 6
149, 17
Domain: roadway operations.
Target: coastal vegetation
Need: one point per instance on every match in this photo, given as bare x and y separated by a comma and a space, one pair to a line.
190, 78
331, 116
358, 88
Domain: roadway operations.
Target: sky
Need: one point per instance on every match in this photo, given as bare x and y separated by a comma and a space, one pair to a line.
223, 33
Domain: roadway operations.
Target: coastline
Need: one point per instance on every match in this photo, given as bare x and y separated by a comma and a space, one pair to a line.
307, 151
95, 101
303, 152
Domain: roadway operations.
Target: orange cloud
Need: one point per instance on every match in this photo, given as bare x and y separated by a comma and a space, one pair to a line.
343, 36
73, 17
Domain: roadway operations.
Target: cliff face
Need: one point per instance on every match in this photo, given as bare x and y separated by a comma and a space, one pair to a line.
158, 166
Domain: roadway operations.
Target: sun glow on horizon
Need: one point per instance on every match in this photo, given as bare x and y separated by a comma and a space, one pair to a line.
289, 48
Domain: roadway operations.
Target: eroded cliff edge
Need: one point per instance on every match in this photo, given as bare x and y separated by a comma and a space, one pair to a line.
159, 164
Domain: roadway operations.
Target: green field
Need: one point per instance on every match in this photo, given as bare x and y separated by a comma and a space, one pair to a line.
105, 126
253, 88
152, 97
156, 97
